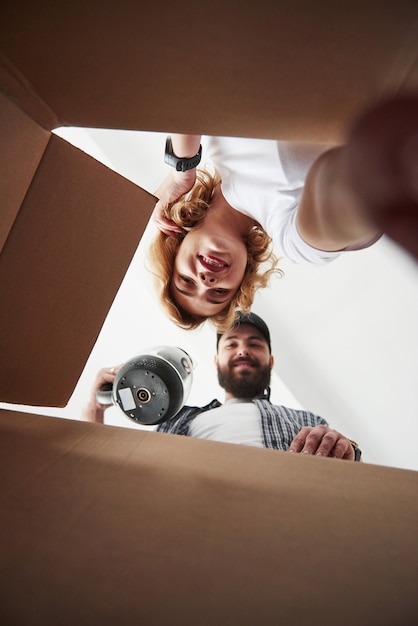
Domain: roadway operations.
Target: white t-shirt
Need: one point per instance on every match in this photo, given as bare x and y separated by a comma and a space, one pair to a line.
264, 179
235, 421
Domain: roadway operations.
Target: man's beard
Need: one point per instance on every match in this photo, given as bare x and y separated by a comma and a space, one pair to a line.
244, 383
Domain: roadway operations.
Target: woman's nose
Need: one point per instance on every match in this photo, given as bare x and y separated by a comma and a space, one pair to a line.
207, 278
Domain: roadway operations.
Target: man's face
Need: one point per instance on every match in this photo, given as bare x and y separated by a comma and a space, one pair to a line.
244, 362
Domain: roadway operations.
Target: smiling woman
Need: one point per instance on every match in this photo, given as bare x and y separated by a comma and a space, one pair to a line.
216, 232
215, 263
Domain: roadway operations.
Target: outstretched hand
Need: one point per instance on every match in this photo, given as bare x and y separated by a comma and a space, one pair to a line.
175, 185
94, 410
322, 441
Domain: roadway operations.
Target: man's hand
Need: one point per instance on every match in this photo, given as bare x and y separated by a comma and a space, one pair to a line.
94, 411
175, 185
322, 441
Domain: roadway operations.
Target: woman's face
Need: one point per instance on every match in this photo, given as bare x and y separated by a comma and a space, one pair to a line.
208, 269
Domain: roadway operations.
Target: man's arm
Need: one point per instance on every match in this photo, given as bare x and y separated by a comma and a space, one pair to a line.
322, 441
383, 167
331, 215
94, 411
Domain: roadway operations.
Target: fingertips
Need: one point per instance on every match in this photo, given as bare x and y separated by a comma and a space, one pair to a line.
341, 448
169, 233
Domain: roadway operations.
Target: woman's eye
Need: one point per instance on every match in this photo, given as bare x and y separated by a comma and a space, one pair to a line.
186, 280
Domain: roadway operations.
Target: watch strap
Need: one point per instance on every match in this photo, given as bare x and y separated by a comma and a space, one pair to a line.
357, 451
181, 164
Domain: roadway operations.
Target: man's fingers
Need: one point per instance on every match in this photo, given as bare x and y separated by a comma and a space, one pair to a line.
327, 444
322, 441
299, 441
106, 375
348, 453
307, 439
337, 447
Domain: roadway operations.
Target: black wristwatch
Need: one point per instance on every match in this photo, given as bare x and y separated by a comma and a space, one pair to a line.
357, 451
180, 164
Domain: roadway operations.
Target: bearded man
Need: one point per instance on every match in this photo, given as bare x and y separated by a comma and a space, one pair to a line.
247, 417
244, 363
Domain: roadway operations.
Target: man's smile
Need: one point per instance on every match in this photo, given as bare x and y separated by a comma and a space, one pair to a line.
244, 364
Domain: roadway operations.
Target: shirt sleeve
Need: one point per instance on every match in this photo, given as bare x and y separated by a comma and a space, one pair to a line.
306, 418
264, 179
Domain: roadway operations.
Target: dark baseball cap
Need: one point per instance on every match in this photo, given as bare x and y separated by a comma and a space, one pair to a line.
251, 319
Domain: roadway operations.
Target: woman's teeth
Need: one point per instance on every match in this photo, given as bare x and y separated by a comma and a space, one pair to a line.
212, 262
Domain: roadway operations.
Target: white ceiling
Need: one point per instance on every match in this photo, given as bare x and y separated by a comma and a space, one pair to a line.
345, 336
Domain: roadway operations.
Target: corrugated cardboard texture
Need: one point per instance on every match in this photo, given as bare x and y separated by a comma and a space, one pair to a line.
22, 145
16, 87
102, 525
292, 69
61, 266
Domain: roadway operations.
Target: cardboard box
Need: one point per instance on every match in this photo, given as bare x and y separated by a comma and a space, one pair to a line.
102, 524
69, 229
110, 525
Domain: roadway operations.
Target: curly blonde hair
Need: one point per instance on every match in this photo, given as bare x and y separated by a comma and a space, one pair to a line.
187, 212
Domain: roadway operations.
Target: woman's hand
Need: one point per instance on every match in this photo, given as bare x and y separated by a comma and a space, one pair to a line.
175, 185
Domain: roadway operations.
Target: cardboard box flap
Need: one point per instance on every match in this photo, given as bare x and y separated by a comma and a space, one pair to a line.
103, 525
61, 266
292, 69
17, 88
22, 145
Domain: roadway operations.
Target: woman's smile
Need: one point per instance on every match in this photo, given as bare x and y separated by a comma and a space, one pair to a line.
212, 264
